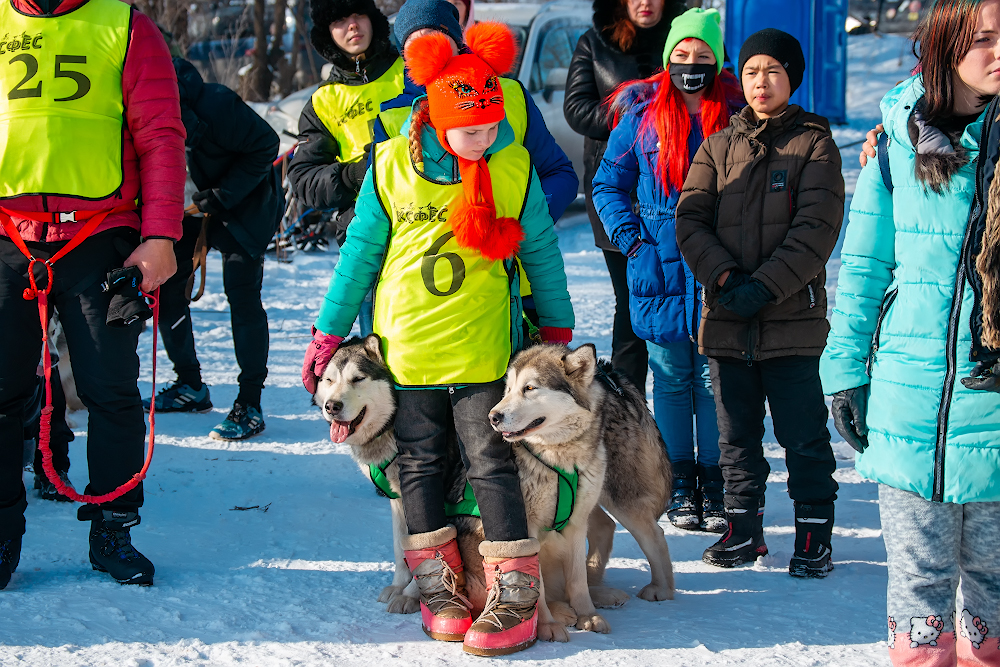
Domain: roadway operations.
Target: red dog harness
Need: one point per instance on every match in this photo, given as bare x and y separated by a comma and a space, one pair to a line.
93, 220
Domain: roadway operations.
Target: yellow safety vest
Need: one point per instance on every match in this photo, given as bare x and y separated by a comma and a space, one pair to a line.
443, 311
513, 103
61, 108
350, 111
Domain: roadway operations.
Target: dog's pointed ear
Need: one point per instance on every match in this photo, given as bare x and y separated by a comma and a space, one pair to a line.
581, 364
373, 348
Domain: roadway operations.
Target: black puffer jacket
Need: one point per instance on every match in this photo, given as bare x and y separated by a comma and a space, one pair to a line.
598, 67
985, 210
230, 150
316, 172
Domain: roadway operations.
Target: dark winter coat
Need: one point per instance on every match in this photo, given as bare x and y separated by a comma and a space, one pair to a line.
315, 171
230, 151
597, 68
982, 244
766, 198
663, 294
555, 170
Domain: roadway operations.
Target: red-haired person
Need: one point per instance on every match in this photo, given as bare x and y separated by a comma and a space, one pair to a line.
447, 336
662, 121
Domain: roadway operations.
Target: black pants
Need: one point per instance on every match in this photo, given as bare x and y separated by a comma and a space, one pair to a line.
423, 420
628, 351
105, 366
792, 388
242, 276
60, 434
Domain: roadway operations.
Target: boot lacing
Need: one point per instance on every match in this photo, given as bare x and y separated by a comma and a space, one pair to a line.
446, 592
117, 542
490, 613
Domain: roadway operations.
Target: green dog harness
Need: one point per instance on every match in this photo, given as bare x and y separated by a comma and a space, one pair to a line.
467, 506
566, 498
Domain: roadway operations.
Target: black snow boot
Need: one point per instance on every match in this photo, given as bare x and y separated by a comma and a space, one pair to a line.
813, 530
47, 490
10, 556
744, 539
111, 549
713, 511
684, 508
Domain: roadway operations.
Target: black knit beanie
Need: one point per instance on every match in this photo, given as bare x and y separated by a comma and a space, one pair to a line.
779, 45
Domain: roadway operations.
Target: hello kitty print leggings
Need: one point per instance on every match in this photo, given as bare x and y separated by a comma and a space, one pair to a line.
944, 580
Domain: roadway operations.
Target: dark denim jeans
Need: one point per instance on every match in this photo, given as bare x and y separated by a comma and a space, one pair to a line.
424, 418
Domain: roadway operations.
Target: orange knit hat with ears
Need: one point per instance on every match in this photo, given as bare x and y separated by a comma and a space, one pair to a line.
463, 91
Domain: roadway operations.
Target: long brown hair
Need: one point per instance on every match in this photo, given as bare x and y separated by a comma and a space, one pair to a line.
622, 29
940, 43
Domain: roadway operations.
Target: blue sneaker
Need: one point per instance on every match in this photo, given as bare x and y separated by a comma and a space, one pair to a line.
181, 398
243, 422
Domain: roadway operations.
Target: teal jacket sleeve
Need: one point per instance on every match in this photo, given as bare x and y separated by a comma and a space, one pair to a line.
868, 260
543, 262
359, 263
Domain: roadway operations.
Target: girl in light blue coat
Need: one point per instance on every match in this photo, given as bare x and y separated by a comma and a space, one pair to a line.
901, 339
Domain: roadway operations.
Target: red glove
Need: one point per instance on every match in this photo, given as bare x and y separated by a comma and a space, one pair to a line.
556, 335
318, 355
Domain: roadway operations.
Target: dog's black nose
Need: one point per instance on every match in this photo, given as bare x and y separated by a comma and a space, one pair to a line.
334, 407
496, 418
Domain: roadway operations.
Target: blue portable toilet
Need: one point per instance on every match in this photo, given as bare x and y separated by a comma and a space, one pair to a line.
819, 27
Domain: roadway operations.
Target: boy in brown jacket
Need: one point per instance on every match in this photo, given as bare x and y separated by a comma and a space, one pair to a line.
759, 215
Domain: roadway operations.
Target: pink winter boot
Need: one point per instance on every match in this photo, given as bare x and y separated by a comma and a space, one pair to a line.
509, 622
434, 560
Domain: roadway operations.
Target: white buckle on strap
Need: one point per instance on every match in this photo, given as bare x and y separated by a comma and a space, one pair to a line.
69, 216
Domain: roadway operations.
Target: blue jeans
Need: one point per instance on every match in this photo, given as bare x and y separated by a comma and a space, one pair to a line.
682, 389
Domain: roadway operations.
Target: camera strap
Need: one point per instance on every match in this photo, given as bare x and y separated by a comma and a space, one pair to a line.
41, 294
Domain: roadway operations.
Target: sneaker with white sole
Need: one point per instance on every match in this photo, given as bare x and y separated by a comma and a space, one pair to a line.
242, 422
180, 397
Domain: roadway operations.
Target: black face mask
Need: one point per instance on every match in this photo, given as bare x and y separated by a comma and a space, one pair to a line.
692, 78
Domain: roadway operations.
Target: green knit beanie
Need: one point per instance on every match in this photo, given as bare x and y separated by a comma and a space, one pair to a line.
703, 24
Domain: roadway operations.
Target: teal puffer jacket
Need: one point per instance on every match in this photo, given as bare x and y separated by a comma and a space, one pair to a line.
902, 314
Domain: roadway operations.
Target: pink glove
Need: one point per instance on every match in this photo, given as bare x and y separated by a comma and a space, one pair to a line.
556, 335
318, 355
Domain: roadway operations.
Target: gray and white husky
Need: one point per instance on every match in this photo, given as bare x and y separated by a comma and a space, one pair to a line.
577, 405
565, 409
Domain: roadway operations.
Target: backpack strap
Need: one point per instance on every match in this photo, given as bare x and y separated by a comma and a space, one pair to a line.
883, 160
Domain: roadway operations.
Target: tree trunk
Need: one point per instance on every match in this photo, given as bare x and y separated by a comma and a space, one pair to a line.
259, 84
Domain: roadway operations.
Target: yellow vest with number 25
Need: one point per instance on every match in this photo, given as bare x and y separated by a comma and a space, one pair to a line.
443, 311
61, 108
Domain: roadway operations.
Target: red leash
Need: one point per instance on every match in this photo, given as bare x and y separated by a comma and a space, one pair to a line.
94, 219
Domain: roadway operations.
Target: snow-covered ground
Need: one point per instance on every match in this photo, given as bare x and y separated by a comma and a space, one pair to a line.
293, 581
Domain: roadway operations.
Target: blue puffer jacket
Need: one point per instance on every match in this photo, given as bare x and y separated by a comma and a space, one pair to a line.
901, 325
555, 170
663, 293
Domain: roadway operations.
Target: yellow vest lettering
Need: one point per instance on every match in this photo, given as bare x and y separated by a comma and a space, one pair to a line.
349, 111
443, 311
61, 107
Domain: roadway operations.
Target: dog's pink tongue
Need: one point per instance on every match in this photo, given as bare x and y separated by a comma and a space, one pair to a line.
339, 431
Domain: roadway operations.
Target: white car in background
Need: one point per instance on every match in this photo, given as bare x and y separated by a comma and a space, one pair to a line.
547, 34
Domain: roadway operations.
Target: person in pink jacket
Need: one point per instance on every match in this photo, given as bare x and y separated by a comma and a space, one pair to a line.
91, 115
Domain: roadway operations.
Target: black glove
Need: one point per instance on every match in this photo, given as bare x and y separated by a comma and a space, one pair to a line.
735, 279
746, 299
353, 173
984, 377
850, 408
127, 305
208, 202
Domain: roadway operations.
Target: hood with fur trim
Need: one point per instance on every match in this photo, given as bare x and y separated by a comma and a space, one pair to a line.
379, 56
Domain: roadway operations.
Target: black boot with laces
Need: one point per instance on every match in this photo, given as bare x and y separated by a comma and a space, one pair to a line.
111, 549
10, 556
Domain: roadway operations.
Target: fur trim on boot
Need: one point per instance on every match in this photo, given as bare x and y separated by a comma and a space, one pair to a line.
509, 622
436, 564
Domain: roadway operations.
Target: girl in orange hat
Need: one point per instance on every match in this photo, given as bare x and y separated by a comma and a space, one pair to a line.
440, 249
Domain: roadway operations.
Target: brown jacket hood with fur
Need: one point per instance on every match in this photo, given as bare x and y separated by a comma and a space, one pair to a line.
767, 198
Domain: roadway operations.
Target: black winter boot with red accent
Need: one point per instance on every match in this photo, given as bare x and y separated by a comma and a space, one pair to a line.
743, 541
813, 532
509, 622
435, 561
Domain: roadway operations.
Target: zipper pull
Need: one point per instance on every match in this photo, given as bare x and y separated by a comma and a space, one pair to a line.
812, 296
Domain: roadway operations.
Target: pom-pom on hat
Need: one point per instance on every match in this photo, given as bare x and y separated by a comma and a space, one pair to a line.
464, 91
